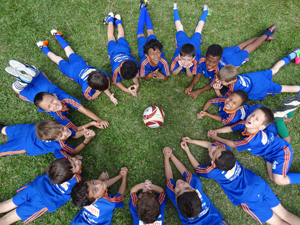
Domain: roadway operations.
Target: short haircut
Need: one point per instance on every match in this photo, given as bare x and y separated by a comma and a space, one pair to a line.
243, 95
60, 171
148, 207
188, 50
226, 160
189, 204
48, 130
215, 50
269, 116
154, 44
80, 194
228, 73
39, 98
97, 81
129, 69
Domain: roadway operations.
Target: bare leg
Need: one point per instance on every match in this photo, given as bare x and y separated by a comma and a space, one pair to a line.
275, 220
7, 206
149, 32
281, 180
54, 58
120, 31
178, 25
248, 42
285, 215
10, 218
251, 47
290, 89
110, 32
199, 27
277, 67
68, 51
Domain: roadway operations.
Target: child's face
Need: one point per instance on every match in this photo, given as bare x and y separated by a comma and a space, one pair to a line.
65, 133
96, 188
211, 61
182, 187
50, 103
186, 60
255, 120
214, 152
233, 102
76, 164
154, 55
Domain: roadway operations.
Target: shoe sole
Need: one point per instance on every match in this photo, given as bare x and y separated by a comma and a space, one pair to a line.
18, 75
280, 113
295, 100
21, 67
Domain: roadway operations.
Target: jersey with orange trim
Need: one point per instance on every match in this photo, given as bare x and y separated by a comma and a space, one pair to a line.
101, 212
132, 206
209, 214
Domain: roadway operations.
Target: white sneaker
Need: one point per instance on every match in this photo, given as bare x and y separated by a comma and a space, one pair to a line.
23, 67
17, 74
174, 6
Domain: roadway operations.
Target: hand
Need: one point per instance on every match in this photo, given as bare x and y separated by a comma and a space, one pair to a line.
113, 99
188, 90
133, 90
158, 75
101, 124
212, 134
147, 186
190, 65
193, 94
124, 172
184, 146
187, 140
79, 157
217, 86
88, 134
201, 114
104, 176
168, 152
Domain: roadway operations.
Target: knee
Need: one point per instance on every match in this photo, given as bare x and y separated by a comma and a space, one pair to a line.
280, 181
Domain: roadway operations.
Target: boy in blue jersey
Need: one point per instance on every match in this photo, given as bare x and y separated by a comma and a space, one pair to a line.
48, 97
192, 204
187, 51
257, 84
98, 205
277, 152
147, 208
91, 80
47, 192
153, 63
215, 59
36, 139
243, 187
123, 65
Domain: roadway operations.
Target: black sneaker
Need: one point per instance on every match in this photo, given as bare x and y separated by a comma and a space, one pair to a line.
295, 100
280, 113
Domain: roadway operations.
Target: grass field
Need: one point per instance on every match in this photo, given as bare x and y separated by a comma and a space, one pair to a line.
127, 141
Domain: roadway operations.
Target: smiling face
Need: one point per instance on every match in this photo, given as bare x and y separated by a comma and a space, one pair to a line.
154, 55
65, 133
211, 61
96, 188
182, 187
76, 164
233, 102
50, 103
255, 120
186, 60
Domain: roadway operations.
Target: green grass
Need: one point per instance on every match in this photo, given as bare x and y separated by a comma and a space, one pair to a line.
127, 141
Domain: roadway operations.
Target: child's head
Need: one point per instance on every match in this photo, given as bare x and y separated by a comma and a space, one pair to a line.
86, 193
223, 158
236, 100
227, 75
152, 49
48, 102
188, 201
50, 130
260, 118
129, 69
148, 207
187, 54
62, 170
97, 81
213, 56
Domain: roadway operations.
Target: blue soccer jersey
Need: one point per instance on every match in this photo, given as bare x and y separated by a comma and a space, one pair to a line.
100, 212
209, 213
132, 206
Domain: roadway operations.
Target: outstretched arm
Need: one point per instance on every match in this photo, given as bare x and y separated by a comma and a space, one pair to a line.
213, 134
96, 94
102, 123
195, 80
205, 144
123, 174
168, 169
88, 134
111, 96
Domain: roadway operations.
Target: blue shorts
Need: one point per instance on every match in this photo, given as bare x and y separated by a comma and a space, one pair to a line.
274, 88
115, 48
142, 41
260, 201
182, 38
30, 205
235, 56
72, 67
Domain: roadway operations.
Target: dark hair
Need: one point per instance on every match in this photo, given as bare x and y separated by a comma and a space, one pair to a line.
226, 160
243, 95
154, 44
80, 194
129, 69
269, 116
147, 207
187, 50
48, 130
39, 98
215, 50
189, 204
97, 81
59, 171
228, 73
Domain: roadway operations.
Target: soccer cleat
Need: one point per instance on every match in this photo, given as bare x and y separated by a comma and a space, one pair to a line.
55, 32
282, 112
41, 44
105, 20
273, 28
205, 7
271, 37
175, 6
297, 52
294, 100
18, 75
117, 17
144, 3
26, 68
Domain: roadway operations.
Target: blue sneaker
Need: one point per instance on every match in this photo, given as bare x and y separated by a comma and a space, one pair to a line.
105, 20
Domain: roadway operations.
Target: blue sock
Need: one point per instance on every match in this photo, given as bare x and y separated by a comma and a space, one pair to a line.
110, 19
204, 15
61, 41
286, 60
140, 27
294, 178
292, 56
176, 15
118, 22
267, 32
148, 21
45, 50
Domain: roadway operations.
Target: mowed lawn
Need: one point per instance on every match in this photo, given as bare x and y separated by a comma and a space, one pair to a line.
127, 141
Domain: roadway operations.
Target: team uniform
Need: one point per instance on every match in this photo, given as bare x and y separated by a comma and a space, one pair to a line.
23, 139
243, 187
40, 196
42, 84
132, 206
180, 39
100, 212
78, 70
146, 67
276, 151
257, 85
118, 52
209, 214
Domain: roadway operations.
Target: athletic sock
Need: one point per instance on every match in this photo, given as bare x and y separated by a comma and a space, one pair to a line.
117, 22
140, 27
176, 15
294, 178
281, 128
19, 86
148, 21
267, 32
204, 15
110, 19
61, 41
290, 114
45, 49
286, 60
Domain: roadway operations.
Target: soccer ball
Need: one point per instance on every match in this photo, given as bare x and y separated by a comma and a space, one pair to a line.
153, 117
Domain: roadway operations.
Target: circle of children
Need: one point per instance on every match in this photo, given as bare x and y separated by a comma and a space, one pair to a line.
243, 187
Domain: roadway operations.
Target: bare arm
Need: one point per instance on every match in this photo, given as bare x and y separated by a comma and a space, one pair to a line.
176, 71
96, 94
180, 167
89, 113
189, 72
192, 159
195, 80
123, 173
168, 169
213, 134
112, 180
215, 117
111, 96
88, 134
137, 187
205, 144
157, 189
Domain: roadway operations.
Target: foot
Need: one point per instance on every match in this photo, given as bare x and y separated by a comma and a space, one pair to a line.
18, 75
282, 112
55, 32
144, 3
294, 100
273, 28
41, 44
271, 37
296, 51
24, 67
205, 7
117, 17
105, 20
175, 6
